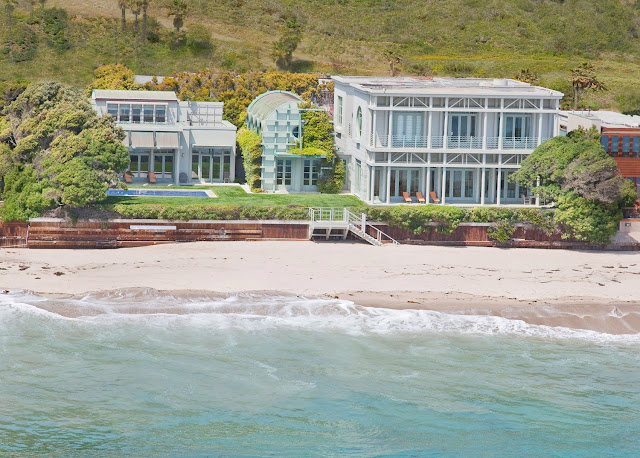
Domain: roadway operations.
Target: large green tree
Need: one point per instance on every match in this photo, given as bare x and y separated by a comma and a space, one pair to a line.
55, 151
584, 183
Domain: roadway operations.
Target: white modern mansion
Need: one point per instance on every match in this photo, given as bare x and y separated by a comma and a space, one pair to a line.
455, 139
181, 142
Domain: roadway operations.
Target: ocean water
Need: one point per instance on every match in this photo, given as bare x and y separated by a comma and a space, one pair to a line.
259, 375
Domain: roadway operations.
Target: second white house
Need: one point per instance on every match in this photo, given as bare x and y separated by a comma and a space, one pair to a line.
453, 140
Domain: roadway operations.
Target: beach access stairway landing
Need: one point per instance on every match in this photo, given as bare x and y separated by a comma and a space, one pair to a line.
327, 222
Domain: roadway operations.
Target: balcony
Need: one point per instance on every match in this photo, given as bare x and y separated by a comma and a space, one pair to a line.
457, 142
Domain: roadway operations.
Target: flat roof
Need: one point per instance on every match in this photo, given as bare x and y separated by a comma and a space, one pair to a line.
404, 85
608, 118
159, 96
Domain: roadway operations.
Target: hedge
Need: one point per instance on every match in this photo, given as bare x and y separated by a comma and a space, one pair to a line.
220, 212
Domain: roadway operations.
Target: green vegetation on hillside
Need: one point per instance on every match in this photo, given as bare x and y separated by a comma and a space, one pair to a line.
492, 38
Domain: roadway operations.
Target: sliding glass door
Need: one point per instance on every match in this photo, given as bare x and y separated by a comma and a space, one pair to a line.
211, 165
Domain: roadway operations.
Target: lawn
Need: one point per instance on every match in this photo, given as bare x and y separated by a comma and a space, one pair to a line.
235, 195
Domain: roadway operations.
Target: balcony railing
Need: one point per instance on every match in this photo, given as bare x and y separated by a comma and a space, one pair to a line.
456, 142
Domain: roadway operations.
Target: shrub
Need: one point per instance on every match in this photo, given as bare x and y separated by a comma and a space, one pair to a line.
250, 144
501, 231
199, 39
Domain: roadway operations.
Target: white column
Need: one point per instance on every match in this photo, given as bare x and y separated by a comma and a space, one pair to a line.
373, 182
374, 129
444, 179
485, 123
426, 194
499, 182
482, 184
176, 168
429, 121
390, 120
388, 184
501, 126
445, 141
539, 128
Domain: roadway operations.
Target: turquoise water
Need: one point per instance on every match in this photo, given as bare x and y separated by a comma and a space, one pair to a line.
291, 376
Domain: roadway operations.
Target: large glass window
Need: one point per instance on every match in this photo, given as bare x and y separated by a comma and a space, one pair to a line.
359, 121
517, 126
339, 111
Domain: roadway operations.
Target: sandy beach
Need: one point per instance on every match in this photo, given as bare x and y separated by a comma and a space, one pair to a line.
587, 290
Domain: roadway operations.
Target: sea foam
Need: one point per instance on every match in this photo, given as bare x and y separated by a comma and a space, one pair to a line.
255, 312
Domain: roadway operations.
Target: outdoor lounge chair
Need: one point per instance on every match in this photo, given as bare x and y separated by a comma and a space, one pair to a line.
407, 197
420, 197
434, 197
127, 178
152, 178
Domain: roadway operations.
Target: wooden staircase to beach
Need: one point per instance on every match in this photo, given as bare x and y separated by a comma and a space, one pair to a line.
335, 222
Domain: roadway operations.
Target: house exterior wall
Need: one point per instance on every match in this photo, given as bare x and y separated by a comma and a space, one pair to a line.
457, 138
198, 130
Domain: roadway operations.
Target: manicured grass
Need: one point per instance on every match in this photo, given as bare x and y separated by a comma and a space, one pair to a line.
235, 195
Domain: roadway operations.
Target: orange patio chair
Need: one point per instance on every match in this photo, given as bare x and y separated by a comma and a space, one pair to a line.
434, 197
420, 197
407, 197
127, 178
152, 178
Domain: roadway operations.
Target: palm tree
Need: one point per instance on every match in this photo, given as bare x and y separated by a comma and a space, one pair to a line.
145, 6
123, 4
178, 9
583, 77
136, 6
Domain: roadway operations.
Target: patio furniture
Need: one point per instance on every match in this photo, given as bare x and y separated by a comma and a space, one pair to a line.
528, 200
420, 197
127, 178
434, 197
152, 178
407, 197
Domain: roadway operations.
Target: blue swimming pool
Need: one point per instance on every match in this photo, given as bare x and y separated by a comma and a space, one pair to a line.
159, 193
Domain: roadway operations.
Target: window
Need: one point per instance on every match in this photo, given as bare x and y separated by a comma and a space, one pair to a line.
283, 172
112, 109
339, 111
161, 113
148, 113
124, 113
136, 111
359, 121
517, 126
311, 172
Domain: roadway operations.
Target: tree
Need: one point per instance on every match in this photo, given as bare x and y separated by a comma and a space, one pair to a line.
392, 57
145, 6
282, 50
123, 4
178, 9
577, 174
136, 7
57, 153
583, 77
113, 76
527, 76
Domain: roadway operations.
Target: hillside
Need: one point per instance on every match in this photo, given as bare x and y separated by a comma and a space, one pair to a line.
440, 37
